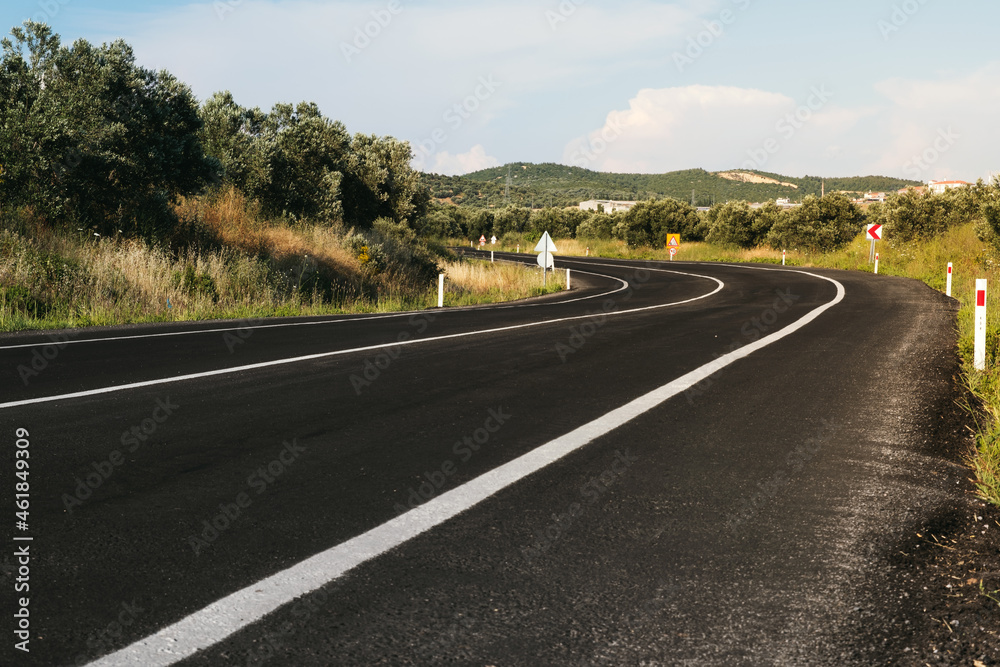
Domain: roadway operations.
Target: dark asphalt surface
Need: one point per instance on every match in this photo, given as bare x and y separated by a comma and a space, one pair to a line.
751, 520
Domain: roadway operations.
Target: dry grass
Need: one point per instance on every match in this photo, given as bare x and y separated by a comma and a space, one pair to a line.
472, 281
241, 266
239, 224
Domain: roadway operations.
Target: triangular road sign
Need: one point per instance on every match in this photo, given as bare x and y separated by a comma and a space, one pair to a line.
546, 244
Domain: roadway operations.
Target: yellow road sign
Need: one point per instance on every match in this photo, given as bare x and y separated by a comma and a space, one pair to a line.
673, 240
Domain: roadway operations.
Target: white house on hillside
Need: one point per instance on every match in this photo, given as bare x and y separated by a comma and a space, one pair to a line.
608, 205
938, 187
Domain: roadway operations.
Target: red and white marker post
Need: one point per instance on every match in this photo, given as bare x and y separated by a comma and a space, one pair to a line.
979, 356
947, 290
876, 264
783, 253
875, 234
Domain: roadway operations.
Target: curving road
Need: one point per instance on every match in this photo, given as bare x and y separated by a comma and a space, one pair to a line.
672, 464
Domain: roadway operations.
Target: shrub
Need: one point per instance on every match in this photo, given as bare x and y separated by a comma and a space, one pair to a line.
817, 225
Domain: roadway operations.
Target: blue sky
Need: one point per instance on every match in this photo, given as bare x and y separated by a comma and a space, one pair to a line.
907, 88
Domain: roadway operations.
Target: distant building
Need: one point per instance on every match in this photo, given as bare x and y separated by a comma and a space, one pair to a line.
872, 197
938, 187
607, 205
783, 204
918, 190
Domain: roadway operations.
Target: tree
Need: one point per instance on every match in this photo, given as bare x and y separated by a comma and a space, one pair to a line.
551, 220
511, 220
92, 139
596, 226
307, 162
913, 215
648, 223
379, 182
819, 224
732, 224
989, 228
301, 165
235, 136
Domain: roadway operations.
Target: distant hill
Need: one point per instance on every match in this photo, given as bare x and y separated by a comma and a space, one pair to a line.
539, 185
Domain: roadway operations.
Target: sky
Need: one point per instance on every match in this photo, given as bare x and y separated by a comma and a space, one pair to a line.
902, 88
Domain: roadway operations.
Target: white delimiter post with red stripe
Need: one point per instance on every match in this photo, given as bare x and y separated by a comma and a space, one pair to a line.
979, 357
948, 285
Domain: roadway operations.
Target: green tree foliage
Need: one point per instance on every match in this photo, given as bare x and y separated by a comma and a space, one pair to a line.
732, 224
988, 227
648, 223
308, 155
912, 215
557, 222
235, 136
819, 224
301, 165
511, 220
598, 226
90, 138
736, 223
441, 222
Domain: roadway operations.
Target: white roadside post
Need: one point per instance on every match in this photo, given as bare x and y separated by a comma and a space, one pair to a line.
979, 357
783, 253
876, 264
567, 278
948, 284
440, 290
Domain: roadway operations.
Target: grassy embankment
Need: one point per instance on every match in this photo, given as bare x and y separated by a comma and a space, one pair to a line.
234, 264
923, 260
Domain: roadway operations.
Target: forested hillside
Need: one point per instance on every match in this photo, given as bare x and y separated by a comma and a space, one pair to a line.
539, 185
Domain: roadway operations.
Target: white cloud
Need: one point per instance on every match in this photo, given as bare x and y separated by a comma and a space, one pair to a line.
463, 163
679, 128
924, 129
942, 128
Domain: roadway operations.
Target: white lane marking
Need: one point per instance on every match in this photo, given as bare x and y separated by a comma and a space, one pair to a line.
342, 320
336, 353
234, 612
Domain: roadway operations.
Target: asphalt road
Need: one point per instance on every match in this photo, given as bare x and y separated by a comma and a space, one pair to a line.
183, 474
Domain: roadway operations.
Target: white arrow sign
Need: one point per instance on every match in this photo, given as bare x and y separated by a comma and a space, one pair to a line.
546, 244
546, 247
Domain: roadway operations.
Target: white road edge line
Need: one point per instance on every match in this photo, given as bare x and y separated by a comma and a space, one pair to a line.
234, 612
337, 353
341, 320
